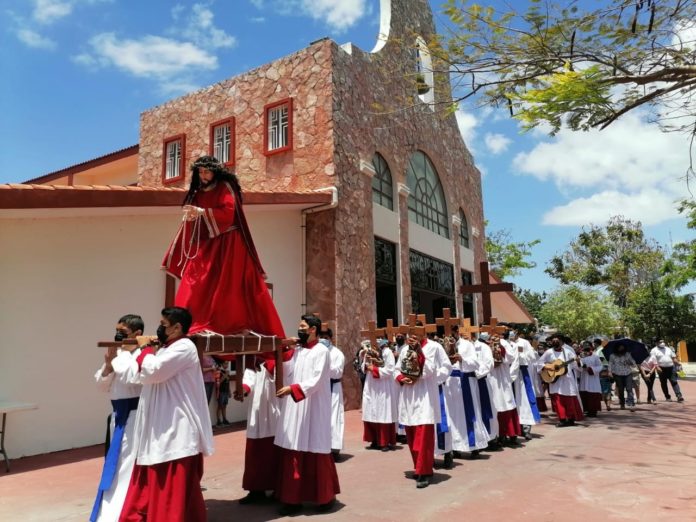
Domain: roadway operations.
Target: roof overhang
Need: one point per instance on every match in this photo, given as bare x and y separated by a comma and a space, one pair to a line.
506, 307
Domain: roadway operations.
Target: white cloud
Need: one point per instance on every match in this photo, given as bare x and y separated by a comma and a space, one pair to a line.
338, 14
48, 11
496, 143
34, 39
150, 56
201, 30
467, 123
650, 206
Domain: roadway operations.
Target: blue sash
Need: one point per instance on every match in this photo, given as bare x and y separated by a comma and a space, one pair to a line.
122, 409
469, 410
486, 409
442, 427
531, 396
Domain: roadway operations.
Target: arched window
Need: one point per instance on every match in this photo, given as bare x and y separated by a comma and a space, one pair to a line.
382, 187
463, 230
426, 202
425, 80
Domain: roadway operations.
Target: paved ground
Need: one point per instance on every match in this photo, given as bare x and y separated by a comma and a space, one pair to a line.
620, 466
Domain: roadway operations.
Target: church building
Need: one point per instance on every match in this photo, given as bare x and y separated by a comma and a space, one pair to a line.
361, 195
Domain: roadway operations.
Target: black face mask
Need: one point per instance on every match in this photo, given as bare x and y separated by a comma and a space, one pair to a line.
303, 336
162, 334
400, 340
120, 336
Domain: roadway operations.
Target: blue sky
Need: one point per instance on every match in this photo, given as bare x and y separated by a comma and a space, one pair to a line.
78, 73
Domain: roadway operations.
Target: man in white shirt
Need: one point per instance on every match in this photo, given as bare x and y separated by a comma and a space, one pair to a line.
114, 377
337, 363
306, 469
172, 429
564, 391
666, 359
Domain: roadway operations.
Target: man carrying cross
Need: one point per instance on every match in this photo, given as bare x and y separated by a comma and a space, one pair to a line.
419, 405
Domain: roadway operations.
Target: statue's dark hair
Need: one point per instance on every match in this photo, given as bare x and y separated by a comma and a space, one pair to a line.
220, 174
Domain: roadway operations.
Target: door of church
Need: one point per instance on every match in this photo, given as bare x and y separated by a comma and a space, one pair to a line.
385, 279
432, 285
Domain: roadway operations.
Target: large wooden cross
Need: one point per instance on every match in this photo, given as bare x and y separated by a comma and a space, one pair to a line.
466, 329
372, 333
390, 330
485, 288
447, 322
420, 330
492, 327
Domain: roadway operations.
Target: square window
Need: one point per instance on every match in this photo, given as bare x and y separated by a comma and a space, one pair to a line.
278, 127
173, 159
222, 141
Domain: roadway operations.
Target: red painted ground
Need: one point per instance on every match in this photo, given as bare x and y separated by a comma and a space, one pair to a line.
620, 466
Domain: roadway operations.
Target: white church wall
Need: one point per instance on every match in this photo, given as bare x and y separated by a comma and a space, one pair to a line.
385, 223
466, 258
66, 280
427, 242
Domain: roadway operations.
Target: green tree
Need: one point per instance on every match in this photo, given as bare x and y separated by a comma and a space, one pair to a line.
656, 312
579, 64
680, 268
617, 257
579, 312
507, 258
532, 301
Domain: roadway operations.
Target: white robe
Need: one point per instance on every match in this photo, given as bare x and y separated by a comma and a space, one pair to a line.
396, 388
568, 383
263, 407
173, 419
118, 384
484, 357
337, 363
377, 403
590, 383
525, 358
306, 425
500, 382
458, 426
419, 403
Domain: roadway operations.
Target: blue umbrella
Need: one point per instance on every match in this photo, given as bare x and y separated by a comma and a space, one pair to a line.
638, 350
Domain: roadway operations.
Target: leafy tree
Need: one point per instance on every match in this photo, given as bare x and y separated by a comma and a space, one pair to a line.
656, 312
532, 301
579, 312
506, 257
582, 64
616, 257
680, 268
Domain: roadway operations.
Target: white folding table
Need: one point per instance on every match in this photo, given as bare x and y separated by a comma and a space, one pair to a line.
5, 408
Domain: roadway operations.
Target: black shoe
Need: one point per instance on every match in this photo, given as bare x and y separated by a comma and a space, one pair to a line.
680, 399
401, 439
457, 454
325, 508
512, 441
373, 446
226, 422
563, 424
476, 454
449, 460
289, 510
336, 455
423, 482
253, 497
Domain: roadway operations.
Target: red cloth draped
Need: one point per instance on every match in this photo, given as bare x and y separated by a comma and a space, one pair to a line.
223, 283
567, 407
509, 423
591, 401
166, 492
260, 464
382, 434
541, 404
421, 442
306, 477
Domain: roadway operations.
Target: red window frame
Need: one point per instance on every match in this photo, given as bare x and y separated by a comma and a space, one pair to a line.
182, 172
233, 142
268, 107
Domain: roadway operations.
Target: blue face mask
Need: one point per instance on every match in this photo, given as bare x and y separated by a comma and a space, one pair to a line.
325, 342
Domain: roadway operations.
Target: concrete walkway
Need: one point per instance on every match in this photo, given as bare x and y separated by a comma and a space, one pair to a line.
619, 466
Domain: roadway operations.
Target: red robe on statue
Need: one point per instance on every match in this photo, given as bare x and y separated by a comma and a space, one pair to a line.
222, 281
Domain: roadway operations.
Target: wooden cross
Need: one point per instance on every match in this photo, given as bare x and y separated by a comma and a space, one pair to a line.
447, 321
420, 330
466, 329
371, 334
492, 327
390, 331
485, 288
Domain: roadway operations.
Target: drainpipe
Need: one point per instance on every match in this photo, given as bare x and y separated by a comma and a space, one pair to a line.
313, 210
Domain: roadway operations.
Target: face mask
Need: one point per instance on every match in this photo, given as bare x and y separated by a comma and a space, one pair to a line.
662, 345
303, 335
400, 340
162, 334
120, 336
325, 342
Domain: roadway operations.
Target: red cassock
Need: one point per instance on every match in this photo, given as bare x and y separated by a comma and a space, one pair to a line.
222, 281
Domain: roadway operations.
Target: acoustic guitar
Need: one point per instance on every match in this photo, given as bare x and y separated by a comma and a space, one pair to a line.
553, 371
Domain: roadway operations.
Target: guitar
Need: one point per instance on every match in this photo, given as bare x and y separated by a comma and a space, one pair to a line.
553, 371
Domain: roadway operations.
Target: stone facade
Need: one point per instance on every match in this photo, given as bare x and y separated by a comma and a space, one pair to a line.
348, 104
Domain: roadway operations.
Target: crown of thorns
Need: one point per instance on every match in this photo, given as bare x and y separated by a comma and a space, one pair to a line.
207, 162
